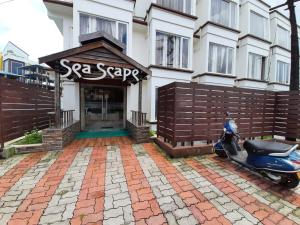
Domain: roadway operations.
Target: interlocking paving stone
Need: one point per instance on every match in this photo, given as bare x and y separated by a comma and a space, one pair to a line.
263, 184
66, 197
16, 172
186, 191
10, 163
166, 196
114, 211
18, 193
32, 207
251, 203
111, 181
224, 204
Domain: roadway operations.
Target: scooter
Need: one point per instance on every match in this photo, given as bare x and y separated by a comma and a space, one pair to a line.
277, 161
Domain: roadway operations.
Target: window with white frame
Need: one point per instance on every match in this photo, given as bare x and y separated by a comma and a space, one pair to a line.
282, 75
117, 29
220, 58
184, 6
172, 51
283, 37
258, 25
256, 66
224, 12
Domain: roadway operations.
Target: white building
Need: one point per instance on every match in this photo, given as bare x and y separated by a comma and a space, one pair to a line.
14, 58
220, 42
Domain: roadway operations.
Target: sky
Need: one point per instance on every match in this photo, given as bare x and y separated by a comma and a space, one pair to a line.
26, 24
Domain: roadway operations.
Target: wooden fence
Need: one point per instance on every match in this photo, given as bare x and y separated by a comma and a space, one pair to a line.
23, 107
190, 112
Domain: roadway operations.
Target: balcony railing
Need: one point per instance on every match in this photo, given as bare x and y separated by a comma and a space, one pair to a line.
138, 118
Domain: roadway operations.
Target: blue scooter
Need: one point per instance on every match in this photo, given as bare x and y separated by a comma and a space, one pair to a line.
277, 161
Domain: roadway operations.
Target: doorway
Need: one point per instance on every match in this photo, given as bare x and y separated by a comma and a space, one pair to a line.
102, 108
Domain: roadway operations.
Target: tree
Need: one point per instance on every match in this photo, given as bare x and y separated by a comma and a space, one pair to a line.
294, 77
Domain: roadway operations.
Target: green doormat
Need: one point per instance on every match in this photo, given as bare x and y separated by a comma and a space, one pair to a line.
102, 134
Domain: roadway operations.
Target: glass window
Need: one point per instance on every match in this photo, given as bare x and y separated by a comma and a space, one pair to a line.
184, 6
256, 66
107, 26
171, 50
122, 33
220, 59
258, 25
185, 52
84, 24
283, 37
15, 67
282, 72
224, 12
90, 24
6, 66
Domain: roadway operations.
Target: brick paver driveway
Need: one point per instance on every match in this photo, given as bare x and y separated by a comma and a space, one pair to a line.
112, 181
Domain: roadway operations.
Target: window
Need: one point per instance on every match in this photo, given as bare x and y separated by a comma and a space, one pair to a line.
256, 66
15, 67
224, 12
6, 66
258, 25
184, 6
172, 51
90, 24
282, 72
220, 59
283, 37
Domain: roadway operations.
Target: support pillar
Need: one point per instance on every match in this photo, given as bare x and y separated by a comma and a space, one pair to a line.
57, 100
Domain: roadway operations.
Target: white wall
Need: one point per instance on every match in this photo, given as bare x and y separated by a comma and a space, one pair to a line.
112, 9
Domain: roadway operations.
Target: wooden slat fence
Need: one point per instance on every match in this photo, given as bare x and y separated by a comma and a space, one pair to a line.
23, 107
287, 121
190, 112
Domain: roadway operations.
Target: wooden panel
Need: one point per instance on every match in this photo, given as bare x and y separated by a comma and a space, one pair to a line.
196, 112
23, 107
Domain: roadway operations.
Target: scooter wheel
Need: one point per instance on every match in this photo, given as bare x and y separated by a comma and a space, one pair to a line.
290, 180
221, 154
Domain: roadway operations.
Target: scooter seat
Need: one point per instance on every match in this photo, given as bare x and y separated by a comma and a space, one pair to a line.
265, 147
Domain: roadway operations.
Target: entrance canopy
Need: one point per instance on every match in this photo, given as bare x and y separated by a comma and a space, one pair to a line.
100, 56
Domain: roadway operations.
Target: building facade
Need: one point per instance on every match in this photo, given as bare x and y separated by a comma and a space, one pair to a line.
219, 42
14, 58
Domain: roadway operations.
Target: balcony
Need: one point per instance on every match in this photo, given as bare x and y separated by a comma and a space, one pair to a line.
183, 6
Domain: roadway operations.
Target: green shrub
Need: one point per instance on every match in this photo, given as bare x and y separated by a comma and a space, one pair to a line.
32, 137
152, 133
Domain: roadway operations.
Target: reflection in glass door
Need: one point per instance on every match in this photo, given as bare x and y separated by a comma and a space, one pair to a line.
103, 108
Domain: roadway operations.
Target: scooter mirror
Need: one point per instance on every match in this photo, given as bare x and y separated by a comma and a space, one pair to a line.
228, 114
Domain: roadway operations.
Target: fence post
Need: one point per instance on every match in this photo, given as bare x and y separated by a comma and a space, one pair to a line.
1, 121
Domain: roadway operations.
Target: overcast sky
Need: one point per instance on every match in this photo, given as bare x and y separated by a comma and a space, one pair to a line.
26, 24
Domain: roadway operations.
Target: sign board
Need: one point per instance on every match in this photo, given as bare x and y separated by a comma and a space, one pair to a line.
104, 71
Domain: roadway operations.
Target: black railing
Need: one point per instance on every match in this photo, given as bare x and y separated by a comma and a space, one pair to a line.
138, 118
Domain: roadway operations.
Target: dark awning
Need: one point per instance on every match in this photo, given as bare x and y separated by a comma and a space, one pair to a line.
98, 50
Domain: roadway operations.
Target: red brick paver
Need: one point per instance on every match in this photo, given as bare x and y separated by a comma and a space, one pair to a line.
145, 207
115, 168
14, 174
90, 204
201, 208
31, 209
264, 184
259, 210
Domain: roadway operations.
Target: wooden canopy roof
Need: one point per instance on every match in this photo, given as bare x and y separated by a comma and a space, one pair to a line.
96, 48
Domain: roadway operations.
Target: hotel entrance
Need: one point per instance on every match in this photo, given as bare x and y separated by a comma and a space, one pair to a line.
102, 108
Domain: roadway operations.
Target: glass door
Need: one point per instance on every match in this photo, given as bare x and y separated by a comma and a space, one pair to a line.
103, 108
